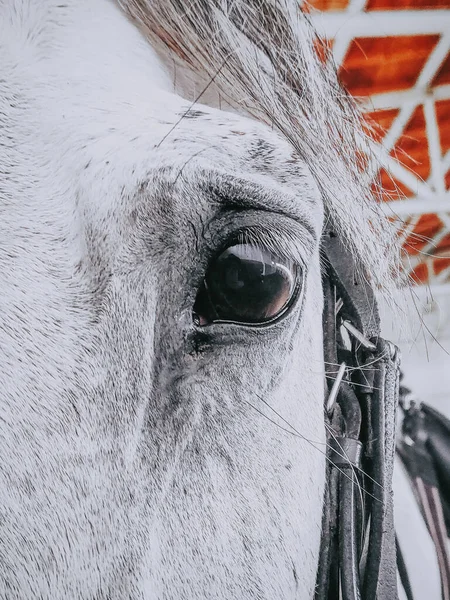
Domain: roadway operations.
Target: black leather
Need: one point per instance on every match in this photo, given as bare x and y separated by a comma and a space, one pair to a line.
424, 448
438, 443
360, 305
387, 379
362, 438
429, 457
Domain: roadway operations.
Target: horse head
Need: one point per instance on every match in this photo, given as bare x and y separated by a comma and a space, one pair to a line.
161, 351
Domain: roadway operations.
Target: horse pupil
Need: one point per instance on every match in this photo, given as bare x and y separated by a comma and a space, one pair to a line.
247, 284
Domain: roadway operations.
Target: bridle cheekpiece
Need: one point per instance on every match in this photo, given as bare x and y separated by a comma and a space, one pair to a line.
357, 554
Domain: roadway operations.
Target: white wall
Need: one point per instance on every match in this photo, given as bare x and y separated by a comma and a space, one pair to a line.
420, 326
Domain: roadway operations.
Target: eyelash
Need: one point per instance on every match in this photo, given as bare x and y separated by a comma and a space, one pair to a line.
257, 235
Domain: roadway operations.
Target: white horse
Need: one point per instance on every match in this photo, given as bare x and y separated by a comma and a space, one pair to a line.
142, 145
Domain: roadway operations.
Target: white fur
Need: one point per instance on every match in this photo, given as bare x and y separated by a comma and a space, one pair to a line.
132, 465
134, 460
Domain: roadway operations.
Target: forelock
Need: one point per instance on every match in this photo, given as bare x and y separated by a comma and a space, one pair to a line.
262, 56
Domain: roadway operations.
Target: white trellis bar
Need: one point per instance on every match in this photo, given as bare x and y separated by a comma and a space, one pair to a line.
430, 196
443, 276
343, 41
428, 248
404, 175
431, 245
398, 99
435, 59
434, 146
428, 203
382, 23
426, 76
446, 162
417, 206
445, 218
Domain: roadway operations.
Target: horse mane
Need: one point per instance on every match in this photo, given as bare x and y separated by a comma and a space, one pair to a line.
262, 56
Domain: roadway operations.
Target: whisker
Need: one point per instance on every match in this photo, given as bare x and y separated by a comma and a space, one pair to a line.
302, 437
328, 376
360, 488
425, 326
328, 427
312, 442
359, 367
194, 102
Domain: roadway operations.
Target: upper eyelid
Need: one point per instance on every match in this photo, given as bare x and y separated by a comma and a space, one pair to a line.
291, 239
281, 215
240, 194
265, 237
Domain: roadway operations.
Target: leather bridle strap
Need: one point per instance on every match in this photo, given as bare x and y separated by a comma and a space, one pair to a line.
415, 449
357, 556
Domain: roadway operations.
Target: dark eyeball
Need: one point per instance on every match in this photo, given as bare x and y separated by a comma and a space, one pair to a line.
247, 284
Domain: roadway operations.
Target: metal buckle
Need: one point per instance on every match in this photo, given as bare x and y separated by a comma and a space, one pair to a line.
335, 388
367, 344
359, 336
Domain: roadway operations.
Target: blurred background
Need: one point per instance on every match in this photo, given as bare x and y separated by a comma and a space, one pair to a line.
394, 57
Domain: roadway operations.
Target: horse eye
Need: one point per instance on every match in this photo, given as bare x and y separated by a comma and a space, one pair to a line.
247, 284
